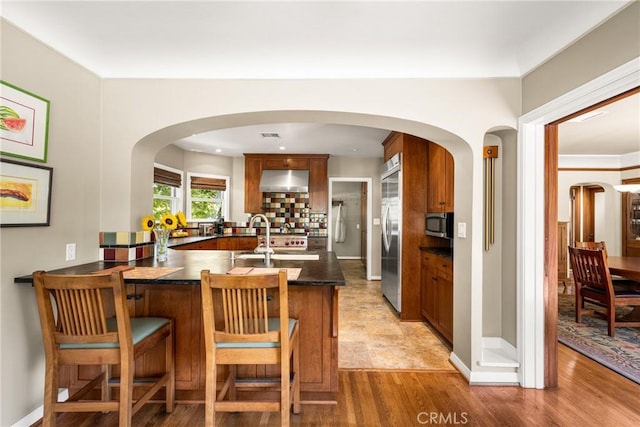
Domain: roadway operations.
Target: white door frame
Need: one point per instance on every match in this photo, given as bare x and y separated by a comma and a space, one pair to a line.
531, 191
369, 182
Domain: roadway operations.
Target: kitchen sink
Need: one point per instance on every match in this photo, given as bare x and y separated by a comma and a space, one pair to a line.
281, 256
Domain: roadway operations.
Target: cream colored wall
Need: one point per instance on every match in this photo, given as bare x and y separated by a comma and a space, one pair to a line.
607, 179
607, 47
74, 154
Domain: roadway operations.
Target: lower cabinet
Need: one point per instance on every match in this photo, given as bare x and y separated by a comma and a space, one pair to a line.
231, 243
317, 243
436, 293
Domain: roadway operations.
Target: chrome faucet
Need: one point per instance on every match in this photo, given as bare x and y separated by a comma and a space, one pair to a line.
267, 250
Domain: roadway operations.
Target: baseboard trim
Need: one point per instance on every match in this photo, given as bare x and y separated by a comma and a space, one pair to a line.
36, 414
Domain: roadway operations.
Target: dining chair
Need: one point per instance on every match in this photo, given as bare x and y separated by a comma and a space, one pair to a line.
593, 285
246, 322
617, 280
85, 321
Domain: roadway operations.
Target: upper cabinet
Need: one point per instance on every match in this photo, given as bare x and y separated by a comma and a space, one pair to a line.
254, 164
439, 179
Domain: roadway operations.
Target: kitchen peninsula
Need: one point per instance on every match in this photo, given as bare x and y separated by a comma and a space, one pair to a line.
313, 299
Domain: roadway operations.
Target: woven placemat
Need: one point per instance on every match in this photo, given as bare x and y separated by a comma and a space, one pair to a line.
292, 273
150, 273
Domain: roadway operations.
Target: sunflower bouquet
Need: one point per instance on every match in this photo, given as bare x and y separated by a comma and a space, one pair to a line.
162, 229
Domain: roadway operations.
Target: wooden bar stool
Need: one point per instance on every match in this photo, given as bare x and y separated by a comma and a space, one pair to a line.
239, 331
77, 328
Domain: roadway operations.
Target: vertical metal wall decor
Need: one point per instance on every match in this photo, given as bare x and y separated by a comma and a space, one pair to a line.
490, 154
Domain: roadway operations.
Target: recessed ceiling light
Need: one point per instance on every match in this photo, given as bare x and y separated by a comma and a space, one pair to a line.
355, 149
270, 135
282, 148
218, 150
587, 116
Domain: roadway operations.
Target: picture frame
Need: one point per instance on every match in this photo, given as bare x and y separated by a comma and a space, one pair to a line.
25, 194
24, 123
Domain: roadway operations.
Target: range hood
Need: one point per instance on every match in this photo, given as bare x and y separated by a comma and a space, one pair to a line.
292, 181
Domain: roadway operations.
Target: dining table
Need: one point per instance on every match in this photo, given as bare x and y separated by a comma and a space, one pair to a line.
627, 267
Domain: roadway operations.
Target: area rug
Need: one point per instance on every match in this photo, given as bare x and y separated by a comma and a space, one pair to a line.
620, 353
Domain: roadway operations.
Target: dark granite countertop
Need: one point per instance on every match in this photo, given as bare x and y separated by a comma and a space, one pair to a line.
325, 271
444, 252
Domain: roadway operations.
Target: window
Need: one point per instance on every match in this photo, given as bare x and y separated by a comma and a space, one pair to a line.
207, 197
167, 191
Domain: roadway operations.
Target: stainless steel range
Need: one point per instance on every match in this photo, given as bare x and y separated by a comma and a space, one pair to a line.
285, 242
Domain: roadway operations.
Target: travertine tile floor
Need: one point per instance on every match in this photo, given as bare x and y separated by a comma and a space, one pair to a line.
372, 337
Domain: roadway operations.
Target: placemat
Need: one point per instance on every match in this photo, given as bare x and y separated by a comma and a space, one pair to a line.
292, 273
131, 272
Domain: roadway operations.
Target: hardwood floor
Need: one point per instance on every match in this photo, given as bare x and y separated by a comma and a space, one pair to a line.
588, 395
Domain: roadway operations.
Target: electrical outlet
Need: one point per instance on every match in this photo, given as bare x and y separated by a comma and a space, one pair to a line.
70, 253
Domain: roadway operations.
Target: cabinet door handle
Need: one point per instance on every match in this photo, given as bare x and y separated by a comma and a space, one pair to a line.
135, 297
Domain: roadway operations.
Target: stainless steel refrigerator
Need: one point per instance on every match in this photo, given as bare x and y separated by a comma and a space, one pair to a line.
391, 198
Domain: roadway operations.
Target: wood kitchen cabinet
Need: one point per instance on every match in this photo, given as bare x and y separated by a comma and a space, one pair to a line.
254, 164
437, 293
285, 163
439, 180
317, 243
318, 179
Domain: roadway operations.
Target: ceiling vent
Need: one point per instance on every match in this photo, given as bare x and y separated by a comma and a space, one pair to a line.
270, 135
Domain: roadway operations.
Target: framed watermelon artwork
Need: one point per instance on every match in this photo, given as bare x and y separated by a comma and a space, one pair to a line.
24, 123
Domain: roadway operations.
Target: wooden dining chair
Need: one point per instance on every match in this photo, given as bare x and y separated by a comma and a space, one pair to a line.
85, 321
617, 280
593, 285
246, 322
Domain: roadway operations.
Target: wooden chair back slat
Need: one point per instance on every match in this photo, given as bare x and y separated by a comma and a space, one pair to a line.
244, 306
593, 245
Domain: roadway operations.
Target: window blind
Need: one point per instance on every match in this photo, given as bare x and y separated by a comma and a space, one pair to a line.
162, 176
208, 183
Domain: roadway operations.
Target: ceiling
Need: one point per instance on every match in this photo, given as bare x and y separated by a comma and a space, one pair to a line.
322, 39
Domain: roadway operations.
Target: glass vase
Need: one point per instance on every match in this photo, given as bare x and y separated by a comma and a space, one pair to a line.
162, 240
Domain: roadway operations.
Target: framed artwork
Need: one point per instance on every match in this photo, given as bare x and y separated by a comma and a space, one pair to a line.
25, 194
24, 123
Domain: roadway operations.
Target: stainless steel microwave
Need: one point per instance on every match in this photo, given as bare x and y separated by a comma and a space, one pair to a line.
439, 225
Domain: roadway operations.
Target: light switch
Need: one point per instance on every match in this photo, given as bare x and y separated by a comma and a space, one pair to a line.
376, 221
462, 230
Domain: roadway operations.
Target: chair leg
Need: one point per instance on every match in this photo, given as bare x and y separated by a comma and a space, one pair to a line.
106, 390
233, 371
210, 392
296, 378
285, 389
126, 393
611, 321
50, 394
170, 387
